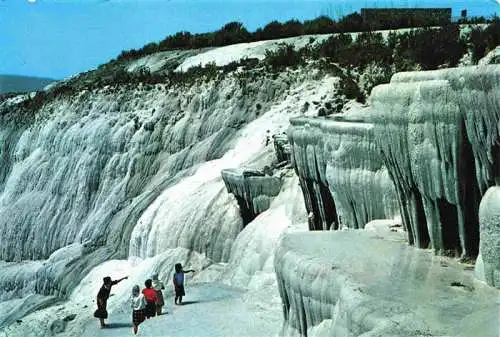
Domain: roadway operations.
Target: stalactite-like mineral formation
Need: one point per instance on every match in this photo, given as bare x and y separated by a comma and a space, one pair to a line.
253, 189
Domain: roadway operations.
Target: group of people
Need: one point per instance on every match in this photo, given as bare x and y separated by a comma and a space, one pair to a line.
146, 303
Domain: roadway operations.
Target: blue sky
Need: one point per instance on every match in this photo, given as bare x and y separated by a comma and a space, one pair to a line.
59, 38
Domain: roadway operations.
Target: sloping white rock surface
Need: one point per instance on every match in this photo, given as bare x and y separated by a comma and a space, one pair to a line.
357, 283
130, 171
493, 57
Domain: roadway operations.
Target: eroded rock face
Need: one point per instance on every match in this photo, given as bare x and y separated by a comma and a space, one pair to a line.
437, 132
341, 172
353, 283
489, 231
253, 189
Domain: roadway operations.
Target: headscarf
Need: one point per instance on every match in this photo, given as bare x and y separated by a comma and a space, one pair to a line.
136, 291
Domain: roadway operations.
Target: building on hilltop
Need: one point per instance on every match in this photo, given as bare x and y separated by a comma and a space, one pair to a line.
375, 18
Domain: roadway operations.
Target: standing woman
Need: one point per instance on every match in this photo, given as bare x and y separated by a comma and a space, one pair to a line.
138, 303
102, 299
158, 286
179, 282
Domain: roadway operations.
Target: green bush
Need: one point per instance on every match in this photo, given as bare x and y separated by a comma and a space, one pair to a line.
270, 31
373, 75
367, 48
284, 56
292, 28
429, 48
333, 47
483, 41
320, 25
180, 40
351, 23
231, 33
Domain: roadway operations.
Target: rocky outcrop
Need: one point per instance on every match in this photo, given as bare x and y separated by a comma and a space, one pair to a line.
438, 135
253, 189
341, 172
435, 133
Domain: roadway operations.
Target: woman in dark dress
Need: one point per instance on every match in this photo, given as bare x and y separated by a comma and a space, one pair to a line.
102, 298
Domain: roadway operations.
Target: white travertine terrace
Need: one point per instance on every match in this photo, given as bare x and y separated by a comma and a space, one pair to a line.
253, 189
435, 133
356, 283
341, 171
438, 132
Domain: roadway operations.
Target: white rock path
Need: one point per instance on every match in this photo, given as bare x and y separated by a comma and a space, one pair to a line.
208, 310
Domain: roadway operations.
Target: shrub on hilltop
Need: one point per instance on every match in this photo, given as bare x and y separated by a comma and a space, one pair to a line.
231, 33
284, 56
482, 41
235, 32
429, 48
367, 57
321, 25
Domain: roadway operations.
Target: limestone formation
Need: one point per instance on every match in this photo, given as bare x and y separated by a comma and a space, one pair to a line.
354, 283
253, 189
434, 133
489, 233
85, 177
341, 172
437, 131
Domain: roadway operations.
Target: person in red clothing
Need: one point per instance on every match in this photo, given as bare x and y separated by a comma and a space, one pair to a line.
151, 298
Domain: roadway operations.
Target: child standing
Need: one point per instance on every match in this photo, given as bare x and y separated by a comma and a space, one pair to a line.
151, 298
158, 286
138, 303
179, 282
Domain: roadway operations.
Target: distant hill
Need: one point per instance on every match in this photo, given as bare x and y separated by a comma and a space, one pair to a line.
14, 83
